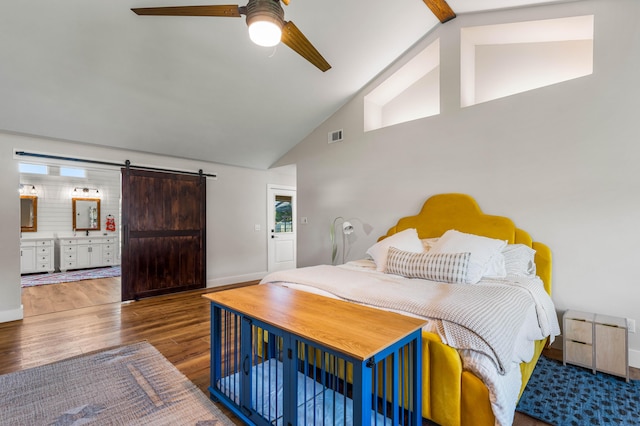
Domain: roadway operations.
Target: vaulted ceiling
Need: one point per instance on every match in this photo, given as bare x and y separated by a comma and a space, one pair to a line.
196, 87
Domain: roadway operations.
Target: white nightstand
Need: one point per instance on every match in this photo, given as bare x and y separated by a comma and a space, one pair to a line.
598, 342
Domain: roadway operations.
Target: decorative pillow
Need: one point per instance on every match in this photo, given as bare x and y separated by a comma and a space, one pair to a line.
427, 243
481, 249
519, 259
406, 240
443, 267
495, 267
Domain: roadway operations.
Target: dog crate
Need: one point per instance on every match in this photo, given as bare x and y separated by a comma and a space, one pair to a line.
268, 375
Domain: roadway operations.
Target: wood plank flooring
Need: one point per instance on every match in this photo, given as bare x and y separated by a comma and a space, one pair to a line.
177, 325
44, 299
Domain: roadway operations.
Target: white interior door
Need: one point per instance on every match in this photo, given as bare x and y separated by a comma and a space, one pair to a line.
282, 227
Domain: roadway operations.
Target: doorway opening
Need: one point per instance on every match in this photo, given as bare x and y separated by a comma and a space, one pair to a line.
65, 266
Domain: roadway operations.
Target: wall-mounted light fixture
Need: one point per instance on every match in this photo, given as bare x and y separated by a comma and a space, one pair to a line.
86, 192
26, 189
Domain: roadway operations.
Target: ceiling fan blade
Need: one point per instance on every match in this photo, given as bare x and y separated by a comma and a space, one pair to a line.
218, 10
293, 37
441, 9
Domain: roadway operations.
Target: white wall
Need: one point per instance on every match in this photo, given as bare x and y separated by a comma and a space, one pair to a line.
236, 202
561, 161
10, 306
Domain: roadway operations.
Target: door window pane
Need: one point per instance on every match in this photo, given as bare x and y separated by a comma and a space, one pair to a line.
284, 214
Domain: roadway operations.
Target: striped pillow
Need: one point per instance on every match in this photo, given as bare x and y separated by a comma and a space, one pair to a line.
443, 267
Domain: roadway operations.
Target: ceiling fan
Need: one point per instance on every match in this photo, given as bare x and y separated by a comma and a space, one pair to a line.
267, 27
265, 19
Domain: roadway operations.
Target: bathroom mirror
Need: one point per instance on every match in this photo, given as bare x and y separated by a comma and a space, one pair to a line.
28, 213
86, 214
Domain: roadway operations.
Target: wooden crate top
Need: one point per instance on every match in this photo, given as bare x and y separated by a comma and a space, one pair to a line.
355, 330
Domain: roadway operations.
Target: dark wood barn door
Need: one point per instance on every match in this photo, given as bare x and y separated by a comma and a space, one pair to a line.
164, 233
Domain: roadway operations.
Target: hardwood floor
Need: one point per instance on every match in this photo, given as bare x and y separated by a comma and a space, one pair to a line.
44, 299
177, 325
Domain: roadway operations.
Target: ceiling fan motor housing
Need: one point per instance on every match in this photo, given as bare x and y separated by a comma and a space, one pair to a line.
265, 10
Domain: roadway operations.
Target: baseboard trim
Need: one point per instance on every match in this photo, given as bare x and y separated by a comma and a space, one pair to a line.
12, 314
217, 282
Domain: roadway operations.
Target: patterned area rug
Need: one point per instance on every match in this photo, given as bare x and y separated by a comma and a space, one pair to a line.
69, 276
132, 384
570, 395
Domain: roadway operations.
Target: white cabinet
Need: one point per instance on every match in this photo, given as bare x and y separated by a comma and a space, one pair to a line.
36, 255
87, 252
27, 258
89, 255
598, 342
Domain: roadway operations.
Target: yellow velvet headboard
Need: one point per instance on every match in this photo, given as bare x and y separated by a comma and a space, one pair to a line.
461, 212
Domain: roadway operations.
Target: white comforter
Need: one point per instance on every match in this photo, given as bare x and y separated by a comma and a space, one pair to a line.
508, 345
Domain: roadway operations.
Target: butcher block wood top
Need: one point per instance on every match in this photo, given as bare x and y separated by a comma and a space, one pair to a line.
355, 330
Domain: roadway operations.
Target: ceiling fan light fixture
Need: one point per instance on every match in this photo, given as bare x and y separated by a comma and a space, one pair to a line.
265, 19
265, 33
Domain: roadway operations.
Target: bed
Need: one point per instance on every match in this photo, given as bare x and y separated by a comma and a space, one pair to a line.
462, 384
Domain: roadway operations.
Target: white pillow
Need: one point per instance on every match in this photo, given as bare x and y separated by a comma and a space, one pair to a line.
496, 267
519, 259
406, 240
482, 250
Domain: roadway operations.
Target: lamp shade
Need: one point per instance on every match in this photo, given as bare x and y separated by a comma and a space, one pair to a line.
347, 228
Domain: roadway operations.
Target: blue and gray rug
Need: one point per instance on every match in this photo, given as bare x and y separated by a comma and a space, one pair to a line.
570, 395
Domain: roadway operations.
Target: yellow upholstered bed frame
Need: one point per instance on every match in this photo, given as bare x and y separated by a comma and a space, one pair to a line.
451, 396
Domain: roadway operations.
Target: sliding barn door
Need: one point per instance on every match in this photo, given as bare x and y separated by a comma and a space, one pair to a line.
163, 218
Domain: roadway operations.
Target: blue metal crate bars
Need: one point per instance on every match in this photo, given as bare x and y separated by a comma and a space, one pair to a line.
270, 377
